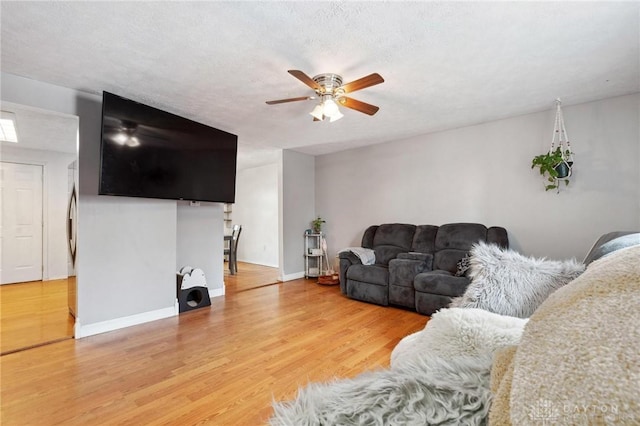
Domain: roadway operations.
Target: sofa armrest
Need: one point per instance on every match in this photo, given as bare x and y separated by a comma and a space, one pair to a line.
608, 243
414, 255
346, 259
351, 257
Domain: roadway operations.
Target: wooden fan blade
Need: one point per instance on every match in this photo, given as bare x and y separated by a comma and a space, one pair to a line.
305, 79
359, 105
281, 101
361, 83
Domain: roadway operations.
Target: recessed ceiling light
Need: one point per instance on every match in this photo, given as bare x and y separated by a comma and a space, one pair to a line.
8, 132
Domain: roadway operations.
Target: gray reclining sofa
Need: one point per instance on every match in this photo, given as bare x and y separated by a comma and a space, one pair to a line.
415, 265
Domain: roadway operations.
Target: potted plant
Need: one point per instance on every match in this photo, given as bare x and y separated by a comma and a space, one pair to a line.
317, 224
555, 165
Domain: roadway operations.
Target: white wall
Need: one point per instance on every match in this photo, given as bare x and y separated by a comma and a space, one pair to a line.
256, 209
199, 241
297, 210
55, 203
130, 265
482, 174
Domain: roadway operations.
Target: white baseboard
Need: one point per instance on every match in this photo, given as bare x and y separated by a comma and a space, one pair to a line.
118, 323
270, 265
61, 277
290, 277
216, 292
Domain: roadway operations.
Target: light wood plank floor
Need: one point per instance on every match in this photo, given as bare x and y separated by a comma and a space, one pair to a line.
33, 314
220, 365
249, 276
36, 313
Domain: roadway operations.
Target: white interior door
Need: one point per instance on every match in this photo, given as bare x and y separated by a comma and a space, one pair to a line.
21, 222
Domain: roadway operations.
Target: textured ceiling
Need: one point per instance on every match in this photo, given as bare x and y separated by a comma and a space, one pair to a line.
44, 130
445, 64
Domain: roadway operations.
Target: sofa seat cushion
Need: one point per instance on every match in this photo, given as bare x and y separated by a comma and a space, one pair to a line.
371, 274
440, 282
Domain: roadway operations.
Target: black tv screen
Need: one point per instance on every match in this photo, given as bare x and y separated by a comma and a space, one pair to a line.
150, 153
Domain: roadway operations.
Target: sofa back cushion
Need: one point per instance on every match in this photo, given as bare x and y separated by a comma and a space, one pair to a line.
498, 235
449, 242
388, 240
453, 241
424, 240
367, 237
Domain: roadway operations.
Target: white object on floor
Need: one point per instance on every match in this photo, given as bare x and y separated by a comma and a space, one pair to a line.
192, 277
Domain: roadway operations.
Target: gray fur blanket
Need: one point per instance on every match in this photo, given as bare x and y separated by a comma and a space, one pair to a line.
424, 392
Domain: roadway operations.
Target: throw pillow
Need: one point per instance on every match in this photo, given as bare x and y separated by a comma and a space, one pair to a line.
463, 266
508, 283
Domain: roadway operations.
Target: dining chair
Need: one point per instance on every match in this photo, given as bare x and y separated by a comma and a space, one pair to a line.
232, 250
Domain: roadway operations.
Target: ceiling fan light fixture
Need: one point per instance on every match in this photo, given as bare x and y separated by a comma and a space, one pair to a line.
318, 112
330, 108
335, 117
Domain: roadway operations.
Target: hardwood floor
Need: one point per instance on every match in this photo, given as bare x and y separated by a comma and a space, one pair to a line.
36, 313
220, 365
249, 276
33, 314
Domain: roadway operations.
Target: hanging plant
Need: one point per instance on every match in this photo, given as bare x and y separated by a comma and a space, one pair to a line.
556, 165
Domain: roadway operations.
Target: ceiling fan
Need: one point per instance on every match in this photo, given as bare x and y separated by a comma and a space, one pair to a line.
331, 92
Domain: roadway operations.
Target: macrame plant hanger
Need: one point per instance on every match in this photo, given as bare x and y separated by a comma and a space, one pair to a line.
561, 138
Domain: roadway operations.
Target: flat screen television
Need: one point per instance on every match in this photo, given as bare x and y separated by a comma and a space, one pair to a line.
150, 153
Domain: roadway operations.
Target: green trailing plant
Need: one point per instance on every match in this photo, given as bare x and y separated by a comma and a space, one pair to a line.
317, 224
550, 167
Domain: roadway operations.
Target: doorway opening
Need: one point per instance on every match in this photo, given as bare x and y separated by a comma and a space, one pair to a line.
36, 274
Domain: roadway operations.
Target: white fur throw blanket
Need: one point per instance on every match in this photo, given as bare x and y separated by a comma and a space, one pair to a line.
458, 332
446, 384
506, 282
